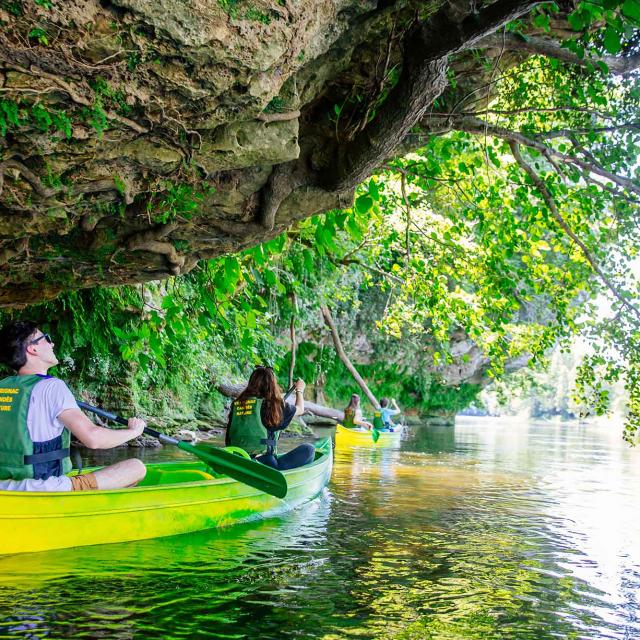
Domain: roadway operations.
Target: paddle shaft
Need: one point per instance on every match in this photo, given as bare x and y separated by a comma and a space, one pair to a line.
249, 472
120, 420
148, 430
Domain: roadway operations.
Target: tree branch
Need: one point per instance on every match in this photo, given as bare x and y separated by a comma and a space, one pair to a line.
292, 335
337, 343
422, 80
234, 390
550, 202
366, 267
475, 125
568, 133
551, 49
407, 206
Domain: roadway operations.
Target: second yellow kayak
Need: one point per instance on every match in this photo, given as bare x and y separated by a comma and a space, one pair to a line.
355, 437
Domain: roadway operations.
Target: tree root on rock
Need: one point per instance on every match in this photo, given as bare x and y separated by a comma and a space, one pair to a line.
153, 242
18, 248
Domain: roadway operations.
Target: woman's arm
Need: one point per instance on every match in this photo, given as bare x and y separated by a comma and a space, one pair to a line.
300, 386
358, 420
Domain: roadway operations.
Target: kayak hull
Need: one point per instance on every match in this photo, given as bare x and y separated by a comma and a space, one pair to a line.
175, 498
352, 437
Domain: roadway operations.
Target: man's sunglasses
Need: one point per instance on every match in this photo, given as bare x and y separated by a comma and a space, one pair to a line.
46, 336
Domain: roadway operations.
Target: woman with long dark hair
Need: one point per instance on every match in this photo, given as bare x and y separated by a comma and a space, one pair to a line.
257, 417
353, 415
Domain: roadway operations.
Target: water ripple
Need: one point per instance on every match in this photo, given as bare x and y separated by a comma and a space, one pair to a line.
501, 530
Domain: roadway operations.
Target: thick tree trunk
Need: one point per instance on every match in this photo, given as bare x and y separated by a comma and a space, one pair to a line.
423, 78
292, 334
233, 391
328, 319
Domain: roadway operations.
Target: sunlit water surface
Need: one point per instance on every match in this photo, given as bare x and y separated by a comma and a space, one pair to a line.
489, 530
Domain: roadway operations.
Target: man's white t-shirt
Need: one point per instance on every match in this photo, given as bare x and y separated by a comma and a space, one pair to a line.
49, 398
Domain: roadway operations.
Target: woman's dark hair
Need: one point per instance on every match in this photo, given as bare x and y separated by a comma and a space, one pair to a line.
263, 384
14, 338
354, 403
383, 402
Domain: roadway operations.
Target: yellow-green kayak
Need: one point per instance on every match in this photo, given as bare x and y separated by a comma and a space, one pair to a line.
354, 437
174, 498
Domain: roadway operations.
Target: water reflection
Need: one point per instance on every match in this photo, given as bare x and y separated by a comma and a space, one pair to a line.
488, 530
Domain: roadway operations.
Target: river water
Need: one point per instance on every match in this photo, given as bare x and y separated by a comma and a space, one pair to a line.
487, 530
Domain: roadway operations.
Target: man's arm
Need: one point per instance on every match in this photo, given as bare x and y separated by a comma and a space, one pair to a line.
95, 437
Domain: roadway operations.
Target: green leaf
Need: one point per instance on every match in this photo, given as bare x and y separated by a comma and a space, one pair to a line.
576, 20
612, 40
364, 204
542, 22
373, 190
355, 230
308, 260
269, 277
251, 320
631, 9
231, 272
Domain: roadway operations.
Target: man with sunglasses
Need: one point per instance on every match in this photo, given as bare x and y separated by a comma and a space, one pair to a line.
38, 414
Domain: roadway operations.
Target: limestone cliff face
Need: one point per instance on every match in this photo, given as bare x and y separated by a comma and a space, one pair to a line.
141, 136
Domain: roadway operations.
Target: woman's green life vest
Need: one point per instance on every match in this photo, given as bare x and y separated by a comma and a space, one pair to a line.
17, 454
378, 423
349, 417
246, 429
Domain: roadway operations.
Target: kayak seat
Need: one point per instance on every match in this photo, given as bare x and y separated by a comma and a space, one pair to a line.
157, 477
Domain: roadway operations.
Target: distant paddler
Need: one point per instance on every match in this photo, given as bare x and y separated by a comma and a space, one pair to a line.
382, 417
353, 415
38, 414
258, 416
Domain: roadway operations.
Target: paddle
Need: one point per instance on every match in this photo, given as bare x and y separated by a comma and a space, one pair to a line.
243, 470
375, 434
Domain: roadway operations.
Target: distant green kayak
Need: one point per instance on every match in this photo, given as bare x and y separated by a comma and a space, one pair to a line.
174, 498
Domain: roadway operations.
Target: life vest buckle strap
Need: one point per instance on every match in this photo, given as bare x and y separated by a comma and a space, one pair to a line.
48, 456
270, 442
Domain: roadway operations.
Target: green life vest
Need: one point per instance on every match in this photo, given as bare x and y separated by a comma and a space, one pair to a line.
20, 457
377, 420
349, 417
246, 429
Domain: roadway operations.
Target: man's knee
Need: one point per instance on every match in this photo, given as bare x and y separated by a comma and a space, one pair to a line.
122, 474
137, 469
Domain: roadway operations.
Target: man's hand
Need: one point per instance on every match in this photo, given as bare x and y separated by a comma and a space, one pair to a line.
95, 437
137, 425
300, 384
